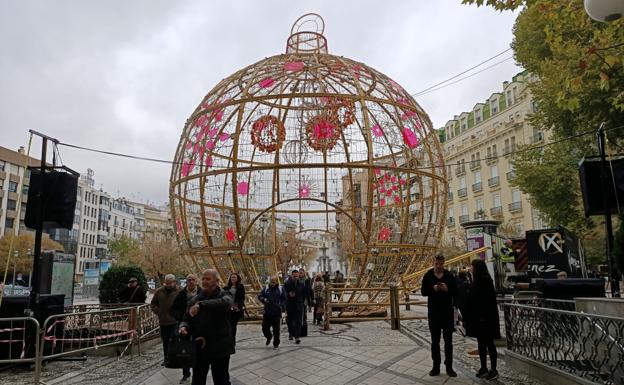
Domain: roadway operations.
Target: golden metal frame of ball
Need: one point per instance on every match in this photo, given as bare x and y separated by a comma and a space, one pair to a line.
377, 242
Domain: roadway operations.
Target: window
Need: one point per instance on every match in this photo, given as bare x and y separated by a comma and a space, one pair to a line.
477, 175
462, 182
12, 186
489, 152
464, 209
515, 195
451, 212
513, 143
494, 171
494, 106
494, 150
11, 204
509, 102
479, 204
2, 165
8, 223
496, 201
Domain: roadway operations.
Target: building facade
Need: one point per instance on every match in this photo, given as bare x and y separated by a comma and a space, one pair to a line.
477, 152
11, 172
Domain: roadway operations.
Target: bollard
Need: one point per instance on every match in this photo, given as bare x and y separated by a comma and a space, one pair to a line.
327, 308
395, 321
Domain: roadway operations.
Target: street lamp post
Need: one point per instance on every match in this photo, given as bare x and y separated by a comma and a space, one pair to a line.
15, 256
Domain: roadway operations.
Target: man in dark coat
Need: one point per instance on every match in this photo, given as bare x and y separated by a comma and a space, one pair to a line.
295, 296
182, 302
208, 322
274, 299
133, 292
439, 286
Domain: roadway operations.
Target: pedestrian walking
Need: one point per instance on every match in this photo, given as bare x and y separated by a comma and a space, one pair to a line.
308, 301
338, 282
274, 300
296, 292
133, 292
482, 318
439, 286
235, 285
208, 322
181, 303
318, 288
161, 305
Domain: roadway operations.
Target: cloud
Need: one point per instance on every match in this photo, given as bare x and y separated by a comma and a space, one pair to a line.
124, 76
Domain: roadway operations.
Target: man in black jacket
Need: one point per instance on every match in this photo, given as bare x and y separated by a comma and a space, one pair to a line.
208, 322
182, 302
440, 287
133, 292
295, 297
274, 299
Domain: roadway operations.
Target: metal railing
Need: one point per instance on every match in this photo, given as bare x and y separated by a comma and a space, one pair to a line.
81, 328
18, 336
584, 345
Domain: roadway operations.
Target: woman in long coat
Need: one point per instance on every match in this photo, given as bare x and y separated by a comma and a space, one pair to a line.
235, 285
482, 318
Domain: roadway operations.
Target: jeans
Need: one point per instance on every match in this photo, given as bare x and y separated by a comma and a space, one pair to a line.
269, 323
234, 318
438, 327
167, 332
220, 370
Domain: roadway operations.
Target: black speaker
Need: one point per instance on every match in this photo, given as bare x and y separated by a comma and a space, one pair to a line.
59, 199
591, 185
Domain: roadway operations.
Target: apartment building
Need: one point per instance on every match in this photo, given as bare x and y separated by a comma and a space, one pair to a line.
477, 148
11, 172
121, 219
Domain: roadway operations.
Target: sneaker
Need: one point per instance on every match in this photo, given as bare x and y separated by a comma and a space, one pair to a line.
482, 373
450, 372
184, 380
290, 338
268, 341
492, 375
434, 372
297, 341
276, 347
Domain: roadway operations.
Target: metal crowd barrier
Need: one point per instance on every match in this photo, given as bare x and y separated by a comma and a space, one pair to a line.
82, 328
584, 345
16, 336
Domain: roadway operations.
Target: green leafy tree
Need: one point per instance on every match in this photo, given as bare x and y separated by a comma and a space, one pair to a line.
115, 280
125, 249
578, 66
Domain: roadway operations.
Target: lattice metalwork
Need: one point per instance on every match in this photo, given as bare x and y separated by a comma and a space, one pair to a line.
308, 141
585, 345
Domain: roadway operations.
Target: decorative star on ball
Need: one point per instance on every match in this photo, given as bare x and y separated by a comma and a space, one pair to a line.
304, 190
384, 234
230, 234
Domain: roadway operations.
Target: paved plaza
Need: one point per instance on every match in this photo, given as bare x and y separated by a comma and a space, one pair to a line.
353, 353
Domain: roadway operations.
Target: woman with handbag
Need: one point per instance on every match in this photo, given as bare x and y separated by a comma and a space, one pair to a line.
236, 287
482, 318
318, 290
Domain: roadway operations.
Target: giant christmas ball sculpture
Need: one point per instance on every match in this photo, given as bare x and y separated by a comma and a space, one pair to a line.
303, 142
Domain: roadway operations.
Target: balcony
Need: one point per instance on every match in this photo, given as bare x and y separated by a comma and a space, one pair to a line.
460, 171
511, 175
494, 181
491, 158
462, 192
515, 207
450, 196
450, 222
479, 214
475, 165
477, 187
496, 211
506, 151
464, 218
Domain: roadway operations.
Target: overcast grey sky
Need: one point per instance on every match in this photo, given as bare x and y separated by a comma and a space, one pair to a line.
124, 76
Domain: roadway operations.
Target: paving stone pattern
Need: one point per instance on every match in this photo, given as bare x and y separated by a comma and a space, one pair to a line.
358, 353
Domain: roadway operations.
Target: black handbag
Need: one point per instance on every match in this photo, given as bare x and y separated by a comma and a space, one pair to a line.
181, 353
